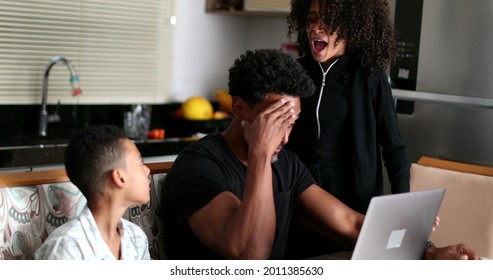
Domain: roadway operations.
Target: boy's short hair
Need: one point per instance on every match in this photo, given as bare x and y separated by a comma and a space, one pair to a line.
91, 155
263, 71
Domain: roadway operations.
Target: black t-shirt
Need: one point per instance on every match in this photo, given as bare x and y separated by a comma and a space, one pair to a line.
207, 168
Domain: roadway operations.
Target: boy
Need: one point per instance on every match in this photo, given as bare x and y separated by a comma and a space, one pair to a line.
107, 168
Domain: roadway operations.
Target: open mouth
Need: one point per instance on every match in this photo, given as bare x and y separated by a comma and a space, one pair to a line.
319, 45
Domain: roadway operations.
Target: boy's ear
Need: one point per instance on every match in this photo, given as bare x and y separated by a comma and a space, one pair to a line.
118, 176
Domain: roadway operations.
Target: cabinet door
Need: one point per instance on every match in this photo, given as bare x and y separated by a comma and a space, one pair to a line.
249, 7
267, 5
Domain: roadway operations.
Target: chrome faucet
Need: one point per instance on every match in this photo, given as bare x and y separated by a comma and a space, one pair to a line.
44, 118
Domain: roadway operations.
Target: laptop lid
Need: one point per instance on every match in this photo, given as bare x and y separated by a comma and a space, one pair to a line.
397, 226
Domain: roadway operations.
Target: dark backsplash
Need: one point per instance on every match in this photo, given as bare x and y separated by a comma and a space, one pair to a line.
19, 129
23, 120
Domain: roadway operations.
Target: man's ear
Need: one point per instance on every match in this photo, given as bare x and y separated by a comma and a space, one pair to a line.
238, 106
118, 177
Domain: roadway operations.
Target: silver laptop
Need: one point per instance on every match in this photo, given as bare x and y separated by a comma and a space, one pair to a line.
397, 226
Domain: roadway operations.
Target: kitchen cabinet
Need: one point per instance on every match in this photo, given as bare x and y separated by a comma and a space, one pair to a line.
249, 7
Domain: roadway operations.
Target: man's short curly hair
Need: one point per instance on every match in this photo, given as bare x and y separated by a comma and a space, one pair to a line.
263, 71
365, 24
92, 154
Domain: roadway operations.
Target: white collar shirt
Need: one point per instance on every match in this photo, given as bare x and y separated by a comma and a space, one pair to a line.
80, 239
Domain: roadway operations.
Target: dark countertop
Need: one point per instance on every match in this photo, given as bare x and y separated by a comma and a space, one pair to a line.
30, 156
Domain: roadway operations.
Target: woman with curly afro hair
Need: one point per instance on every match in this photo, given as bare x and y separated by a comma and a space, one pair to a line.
350, 123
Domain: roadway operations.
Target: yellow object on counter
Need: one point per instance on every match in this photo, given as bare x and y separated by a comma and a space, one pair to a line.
197, 108
224, 99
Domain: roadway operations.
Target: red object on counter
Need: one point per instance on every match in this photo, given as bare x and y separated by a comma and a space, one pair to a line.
156, 134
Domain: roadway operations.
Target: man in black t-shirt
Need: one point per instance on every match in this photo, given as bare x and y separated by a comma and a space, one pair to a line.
234, 193
209, 168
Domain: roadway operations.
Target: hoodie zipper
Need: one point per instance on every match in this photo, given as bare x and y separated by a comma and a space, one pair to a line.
317, 111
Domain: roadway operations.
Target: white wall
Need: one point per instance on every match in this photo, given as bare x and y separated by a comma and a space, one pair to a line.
207, 44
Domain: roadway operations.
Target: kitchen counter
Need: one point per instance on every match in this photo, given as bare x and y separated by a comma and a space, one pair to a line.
46, 156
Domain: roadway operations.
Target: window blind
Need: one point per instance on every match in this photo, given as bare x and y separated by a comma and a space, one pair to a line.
121, 50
